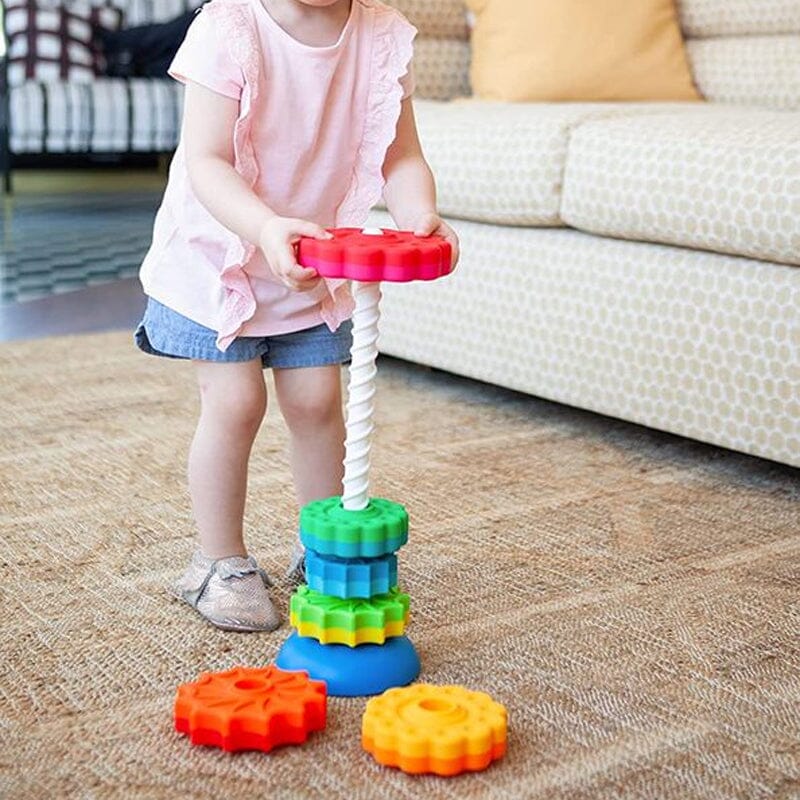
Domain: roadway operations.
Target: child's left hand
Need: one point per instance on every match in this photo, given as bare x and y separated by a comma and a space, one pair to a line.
429, 224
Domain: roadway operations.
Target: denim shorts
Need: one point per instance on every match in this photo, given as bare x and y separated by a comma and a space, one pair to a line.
164, 332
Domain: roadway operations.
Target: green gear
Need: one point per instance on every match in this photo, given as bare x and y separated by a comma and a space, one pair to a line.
330, 529
352, 614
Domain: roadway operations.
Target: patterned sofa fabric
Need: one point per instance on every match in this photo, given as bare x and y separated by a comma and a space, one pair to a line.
441, 68
699, 344
436, 19
499, 162
504, 162
718, 178
749, 70
706, 18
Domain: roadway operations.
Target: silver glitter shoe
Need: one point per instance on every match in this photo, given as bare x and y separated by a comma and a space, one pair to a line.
297, 564
230, 593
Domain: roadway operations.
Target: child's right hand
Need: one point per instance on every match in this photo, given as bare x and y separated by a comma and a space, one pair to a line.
277, 241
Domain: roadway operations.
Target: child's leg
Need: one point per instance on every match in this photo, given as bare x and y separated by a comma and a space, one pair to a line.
233, 400
310, 399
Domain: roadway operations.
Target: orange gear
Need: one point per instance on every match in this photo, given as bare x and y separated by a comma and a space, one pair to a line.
441, 729
250, 709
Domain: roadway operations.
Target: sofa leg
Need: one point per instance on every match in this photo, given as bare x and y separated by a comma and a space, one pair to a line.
5, 160
5, 127
164, 162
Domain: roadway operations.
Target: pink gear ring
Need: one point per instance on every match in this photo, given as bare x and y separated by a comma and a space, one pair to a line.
371, 255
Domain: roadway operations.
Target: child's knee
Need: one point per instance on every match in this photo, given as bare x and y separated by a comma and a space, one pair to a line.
239, 405
311, 411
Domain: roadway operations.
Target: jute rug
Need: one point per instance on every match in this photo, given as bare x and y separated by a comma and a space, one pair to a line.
631, 597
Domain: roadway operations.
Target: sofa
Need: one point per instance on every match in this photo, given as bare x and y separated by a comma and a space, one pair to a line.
639, 260
101, 118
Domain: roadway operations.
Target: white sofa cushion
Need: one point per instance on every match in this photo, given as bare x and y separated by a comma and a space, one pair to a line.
714, 177
705, 18
501, 162
748, 70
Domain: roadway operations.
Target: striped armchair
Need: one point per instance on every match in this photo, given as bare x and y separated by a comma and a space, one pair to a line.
107, 116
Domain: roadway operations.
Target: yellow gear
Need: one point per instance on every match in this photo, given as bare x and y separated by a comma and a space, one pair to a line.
445, 730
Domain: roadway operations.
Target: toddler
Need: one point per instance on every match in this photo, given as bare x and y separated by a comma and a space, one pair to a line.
297, 117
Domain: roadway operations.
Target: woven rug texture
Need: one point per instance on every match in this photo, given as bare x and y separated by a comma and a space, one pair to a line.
631, 597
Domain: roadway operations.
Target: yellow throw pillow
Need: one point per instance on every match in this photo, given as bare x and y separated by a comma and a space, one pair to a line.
550, 50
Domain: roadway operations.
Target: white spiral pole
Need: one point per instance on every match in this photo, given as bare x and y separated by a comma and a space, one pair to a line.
361, 391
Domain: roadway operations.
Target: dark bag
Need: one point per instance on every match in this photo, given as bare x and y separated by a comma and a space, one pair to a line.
146, 51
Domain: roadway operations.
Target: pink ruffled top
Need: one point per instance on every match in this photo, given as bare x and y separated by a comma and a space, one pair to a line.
313, 129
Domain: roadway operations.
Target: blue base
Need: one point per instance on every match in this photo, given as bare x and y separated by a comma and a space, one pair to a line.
352, 671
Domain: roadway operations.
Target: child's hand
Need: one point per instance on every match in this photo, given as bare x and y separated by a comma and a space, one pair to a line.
277, 240
429, 224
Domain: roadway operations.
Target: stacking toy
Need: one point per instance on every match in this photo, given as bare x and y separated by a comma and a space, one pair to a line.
444, 730
350, 617
250, 709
